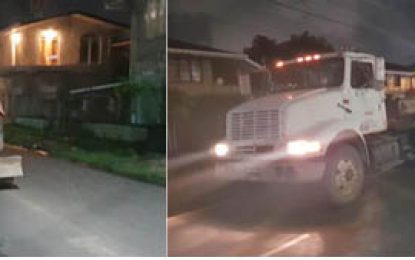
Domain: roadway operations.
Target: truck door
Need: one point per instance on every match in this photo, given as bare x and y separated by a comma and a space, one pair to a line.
368, 101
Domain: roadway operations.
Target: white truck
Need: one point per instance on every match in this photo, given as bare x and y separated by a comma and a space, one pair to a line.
331, 121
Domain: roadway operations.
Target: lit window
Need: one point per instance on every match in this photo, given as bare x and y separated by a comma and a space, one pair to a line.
49, 47
15, 39
405, 83
397, 81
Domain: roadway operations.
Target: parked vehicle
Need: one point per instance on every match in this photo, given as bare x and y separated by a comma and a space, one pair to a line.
331, 121
10, 166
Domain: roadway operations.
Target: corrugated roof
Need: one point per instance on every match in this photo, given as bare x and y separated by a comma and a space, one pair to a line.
178, 44
398, 67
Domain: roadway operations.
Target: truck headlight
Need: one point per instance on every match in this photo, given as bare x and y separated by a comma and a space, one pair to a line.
303, 147
221, 149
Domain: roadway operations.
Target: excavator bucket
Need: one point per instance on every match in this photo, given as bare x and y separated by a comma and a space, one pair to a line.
11, 166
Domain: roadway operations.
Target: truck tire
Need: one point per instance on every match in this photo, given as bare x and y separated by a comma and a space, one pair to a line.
344, 175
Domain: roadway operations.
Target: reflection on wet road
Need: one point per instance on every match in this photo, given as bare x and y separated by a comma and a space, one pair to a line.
238, 219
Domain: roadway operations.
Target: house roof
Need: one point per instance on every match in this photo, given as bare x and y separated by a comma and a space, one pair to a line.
398, 67
178, 44
186, 48
76, 14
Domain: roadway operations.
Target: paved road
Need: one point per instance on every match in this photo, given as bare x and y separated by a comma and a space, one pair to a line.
236, 219
65, 209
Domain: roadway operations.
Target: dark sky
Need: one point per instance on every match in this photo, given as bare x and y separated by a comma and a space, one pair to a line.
383, 27
12, 11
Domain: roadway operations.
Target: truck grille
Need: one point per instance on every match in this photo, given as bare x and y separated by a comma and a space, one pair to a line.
252, 149
254, 125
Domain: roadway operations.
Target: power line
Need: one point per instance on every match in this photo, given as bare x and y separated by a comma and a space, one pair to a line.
342, 23
318, 16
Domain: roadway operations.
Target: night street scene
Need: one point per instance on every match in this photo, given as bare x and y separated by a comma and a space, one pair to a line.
82, 94
291, 128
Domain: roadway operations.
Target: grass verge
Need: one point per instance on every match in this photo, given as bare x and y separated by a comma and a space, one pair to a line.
114, 157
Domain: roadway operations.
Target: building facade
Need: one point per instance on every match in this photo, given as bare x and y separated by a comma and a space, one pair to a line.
42, 60
204, 83
197, 69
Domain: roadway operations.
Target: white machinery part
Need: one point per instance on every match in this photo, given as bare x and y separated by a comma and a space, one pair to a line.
319, 113
330, 111
11, 166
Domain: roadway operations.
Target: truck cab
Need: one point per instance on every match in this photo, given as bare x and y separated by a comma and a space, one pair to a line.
327, 113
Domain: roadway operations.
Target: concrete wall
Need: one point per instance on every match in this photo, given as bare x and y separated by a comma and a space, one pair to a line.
32, 122
117, 132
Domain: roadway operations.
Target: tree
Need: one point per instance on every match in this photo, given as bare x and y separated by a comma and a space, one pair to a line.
262, 49
265, 50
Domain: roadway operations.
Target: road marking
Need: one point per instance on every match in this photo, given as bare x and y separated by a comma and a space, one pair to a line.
287, 245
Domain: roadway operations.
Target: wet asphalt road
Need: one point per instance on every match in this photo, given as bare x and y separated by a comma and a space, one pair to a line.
65, 209
237, 219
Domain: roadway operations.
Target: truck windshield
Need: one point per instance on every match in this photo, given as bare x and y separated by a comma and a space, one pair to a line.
325, 73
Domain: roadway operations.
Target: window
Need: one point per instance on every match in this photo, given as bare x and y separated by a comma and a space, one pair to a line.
362, 74
155, 18
326, 73
195, 70
91, 49
396, 81
188, 70
49, 47
173, 70
405, 83
184, 70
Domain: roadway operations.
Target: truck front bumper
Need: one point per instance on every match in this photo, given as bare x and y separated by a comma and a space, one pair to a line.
290, 171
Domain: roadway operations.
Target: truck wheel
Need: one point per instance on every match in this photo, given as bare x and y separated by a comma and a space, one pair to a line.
344, 175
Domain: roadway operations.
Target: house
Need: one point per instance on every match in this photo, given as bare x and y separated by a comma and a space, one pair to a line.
142, 115
204, 82
198, 69
42, 60
399, 78
145, 47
